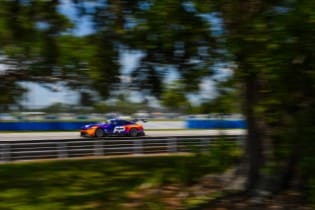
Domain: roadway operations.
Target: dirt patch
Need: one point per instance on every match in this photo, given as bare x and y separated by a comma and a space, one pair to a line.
211, 193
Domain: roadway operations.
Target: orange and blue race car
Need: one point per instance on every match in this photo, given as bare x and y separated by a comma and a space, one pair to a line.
113, 127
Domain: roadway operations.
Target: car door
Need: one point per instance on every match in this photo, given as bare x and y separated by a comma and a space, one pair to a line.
120, 127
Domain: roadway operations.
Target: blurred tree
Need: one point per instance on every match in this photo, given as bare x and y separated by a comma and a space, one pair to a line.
172, 36
55, 108
86, 99
270, 43
12, 95
101, 107
29, 49
37, 45
226, 102
175, 98
272, 46
120, 104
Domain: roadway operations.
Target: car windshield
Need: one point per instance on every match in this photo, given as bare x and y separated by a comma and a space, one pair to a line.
112, 122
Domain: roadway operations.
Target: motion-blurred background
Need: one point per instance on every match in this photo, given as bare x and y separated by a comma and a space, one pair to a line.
172, 59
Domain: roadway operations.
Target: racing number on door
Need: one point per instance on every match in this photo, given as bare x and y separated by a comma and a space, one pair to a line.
119, 129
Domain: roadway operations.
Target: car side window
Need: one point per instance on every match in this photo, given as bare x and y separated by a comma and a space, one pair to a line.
119, 122
128, 123
124, 122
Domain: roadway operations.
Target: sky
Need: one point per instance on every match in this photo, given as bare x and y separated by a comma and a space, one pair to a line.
39, 96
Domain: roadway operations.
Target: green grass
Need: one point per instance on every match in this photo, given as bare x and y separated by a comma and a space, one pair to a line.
92, 183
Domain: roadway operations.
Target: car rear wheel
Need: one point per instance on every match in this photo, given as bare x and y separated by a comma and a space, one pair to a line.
99, 132
133, 132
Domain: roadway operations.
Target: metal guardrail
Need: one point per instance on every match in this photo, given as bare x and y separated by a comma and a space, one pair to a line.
84, 147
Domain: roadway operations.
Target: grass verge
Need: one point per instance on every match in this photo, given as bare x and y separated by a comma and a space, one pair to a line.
96, 183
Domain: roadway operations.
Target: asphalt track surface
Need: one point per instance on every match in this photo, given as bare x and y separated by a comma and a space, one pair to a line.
16, 136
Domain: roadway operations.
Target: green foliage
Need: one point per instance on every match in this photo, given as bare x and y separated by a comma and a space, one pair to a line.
218, 157
12, 94
86, 184
172, 36
55, 108
120, 104
38, 41
272, 45
175, 98
226, 103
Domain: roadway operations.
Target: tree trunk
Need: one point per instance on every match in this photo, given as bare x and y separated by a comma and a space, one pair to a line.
253, 147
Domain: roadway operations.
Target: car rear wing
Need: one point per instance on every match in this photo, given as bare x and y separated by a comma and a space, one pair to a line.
139, 120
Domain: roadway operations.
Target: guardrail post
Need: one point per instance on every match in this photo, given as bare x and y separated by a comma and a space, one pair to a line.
204, 144
137, 146
5, 153
62, 150
241, 141
172, 145
98, 148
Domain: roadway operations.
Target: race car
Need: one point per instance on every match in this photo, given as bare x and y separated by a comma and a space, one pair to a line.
113, 127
